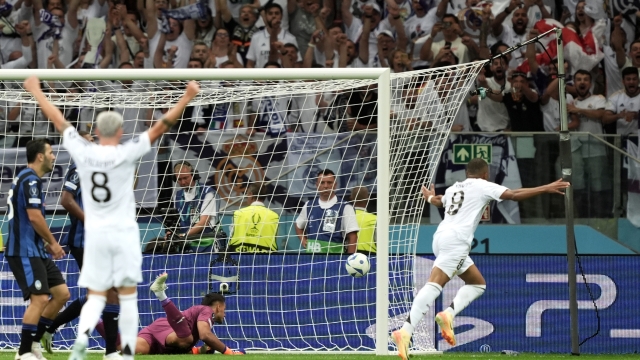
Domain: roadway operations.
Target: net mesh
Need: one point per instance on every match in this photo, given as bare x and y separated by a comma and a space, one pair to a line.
278, 135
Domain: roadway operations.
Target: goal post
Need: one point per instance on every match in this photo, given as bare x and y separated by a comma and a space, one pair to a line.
374, 129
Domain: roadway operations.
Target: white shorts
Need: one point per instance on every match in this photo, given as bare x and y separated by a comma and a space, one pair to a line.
452, 253
111, 259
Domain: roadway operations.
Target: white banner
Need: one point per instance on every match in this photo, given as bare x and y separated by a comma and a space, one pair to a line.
633, 201
15, 159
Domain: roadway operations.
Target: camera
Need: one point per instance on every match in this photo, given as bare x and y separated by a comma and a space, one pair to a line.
224, 288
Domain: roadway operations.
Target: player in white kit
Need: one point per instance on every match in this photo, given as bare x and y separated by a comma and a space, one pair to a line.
112, 254
463, 203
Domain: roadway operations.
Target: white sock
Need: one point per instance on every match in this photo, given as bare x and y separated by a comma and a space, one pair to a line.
464, 297
128, 324
161, 295
426, 296
90, 313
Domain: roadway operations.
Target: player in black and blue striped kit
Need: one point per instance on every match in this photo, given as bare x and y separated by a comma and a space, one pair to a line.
26, 251
71, 200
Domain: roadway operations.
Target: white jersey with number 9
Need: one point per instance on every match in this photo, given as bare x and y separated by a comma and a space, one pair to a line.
463, 204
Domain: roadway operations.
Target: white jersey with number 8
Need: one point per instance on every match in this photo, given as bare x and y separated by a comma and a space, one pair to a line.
463, 204
112, 255
107, 174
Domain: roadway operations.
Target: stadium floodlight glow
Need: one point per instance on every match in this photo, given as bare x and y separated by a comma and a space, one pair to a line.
372, 128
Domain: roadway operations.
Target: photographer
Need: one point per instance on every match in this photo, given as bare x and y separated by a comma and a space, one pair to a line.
196, 203
192, 223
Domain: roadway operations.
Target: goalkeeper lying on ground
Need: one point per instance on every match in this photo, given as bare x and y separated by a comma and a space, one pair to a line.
180, 331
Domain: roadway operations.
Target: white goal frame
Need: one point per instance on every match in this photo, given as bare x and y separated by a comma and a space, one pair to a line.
381, 75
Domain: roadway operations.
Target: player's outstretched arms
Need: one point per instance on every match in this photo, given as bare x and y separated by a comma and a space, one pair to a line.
430, 196
32, 85
170, 118
212, 340
555, 187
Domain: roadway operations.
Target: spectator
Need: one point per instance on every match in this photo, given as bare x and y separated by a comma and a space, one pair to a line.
354, 26
205, 28
65, 30
222, 50
623, 106
615, 57
492, 114
197, 205
305, 18
366, 221
416, 28
242, 30
362, 109
523, 107
255, 227
593, 201
127, 46
325, 224
634, 55
175, 50
517, 32
451, 32
200, 51
21, 59
329, 49
264, 44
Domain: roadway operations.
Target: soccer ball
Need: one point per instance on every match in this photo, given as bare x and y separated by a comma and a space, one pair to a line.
357, 265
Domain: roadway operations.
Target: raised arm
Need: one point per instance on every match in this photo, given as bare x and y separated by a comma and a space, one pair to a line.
223, 9
189, 26
170, 118
32, 85
72, 14
347, 16
152, 19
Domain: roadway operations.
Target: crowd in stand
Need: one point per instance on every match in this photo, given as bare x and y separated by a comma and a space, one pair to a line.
602, 88
400, 34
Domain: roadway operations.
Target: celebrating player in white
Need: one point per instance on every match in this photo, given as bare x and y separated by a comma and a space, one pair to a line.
112, 239
463, 203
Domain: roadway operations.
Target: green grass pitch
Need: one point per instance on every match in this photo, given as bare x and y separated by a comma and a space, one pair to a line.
338, 356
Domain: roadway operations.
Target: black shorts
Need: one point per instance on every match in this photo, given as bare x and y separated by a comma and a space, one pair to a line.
34, 275
78, 255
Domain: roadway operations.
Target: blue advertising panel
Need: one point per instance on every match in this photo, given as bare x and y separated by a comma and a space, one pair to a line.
300, 301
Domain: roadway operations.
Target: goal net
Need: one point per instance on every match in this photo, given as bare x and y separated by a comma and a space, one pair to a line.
259, 135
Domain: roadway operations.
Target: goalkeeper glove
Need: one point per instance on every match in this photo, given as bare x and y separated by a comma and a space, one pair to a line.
204, 349
229, 351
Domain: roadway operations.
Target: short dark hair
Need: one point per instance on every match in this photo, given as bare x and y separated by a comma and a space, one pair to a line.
291, 45
582, 72
257, 190
451, 16
198, 60
272, 63
637, 41
124, 63
212, 298
271, 5
326, 172
494, 48
477, 166
35, 147
630, 71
